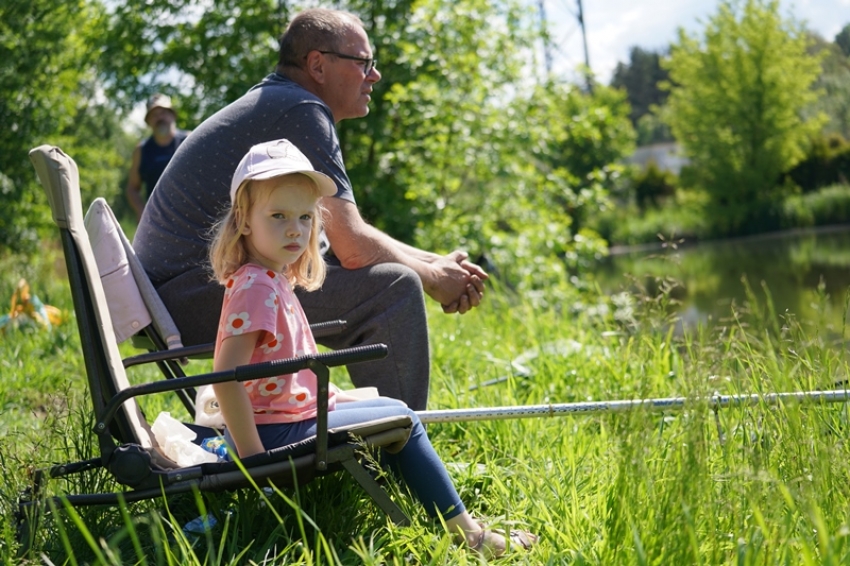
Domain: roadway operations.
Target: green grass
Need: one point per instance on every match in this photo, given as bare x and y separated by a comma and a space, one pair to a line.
755, 485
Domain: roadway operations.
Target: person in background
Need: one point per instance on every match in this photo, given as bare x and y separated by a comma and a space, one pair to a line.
152, 155
267, 244
325, 74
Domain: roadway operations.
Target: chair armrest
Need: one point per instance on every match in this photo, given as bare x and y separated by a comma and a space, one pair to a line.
242, 373
319, 330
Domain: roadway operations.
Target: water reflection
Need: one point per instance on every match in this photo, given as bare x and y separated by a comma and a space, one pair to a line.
807, 273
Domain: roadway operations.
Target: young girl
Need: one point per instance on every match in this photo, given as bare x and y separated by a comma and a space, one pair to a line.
268, 242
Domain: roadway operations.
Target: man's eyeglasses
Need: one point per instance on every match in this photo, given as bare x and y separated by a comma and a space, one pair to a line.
368, 63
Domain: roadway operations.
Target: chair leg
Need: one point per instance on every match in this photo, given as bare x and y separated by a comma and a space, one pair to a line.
376, 492
27, 519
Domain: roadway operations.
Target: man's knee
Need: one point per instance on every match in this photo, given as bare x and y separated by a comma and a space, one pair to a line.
401, 280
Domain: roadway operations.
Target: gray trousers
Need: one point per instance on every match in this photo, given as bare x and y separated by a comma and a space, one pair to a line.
382, 303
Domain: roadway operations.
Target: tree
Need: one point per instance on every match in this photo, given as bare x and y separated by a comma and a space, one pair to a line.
735, 103
579, 138
206, 54
48, 94
449, 154
842, 39
833, 83
641, 78
484, 159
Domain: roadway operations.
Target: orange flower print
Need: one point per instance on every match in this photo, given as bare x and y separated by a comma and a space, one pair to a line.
237, 323
299, 399
249, 385
271, 386
273, 345
272, 274
228, 285
272, 302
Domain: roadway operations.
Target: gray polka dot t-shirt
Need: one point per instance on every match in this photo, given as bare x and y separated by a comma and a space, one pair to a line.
194, 190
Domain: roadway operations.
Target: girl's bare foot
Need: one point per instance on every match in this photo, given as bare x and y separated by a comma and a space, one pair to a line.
492, 543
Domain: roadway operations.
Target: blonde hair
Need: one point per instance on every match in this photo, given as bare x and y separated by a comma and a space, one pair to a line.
228, 252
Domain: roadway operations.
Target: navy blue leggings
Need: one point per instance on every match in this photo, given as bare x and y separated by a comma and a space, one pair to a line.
417, 462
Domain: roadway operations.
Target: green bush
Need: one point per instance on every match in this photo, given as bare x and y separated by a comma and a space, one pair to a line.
679, 217
829, 205
827, 163
653, 185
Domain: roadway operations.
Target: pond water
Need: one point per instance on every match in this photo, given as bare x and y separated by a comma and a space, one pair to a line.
805, 273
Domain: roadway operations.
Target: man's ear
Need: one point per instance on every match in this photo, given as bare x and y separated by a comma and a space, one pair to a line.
315, 66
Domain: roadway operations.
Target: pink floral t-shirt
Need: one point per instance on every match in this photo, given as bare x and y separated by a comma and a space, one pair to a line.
256, 298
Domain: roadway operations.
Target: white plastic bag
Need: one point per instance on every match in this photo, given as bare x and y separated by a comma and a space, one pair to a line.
175, 439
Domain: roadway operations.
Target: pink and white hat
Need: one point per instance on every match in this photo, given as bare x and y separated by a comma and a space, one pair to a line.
274, 159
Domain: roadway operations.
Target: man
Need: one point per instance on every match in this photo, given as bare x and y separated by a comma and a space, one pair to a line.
375, 283
152, 155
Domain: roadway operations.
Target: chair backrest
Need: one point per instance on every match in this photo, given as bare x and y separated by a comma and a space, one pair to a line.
59, 177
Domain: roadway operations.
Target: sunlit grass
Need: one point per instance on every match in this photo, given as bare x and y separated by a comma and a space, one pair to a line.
751, 485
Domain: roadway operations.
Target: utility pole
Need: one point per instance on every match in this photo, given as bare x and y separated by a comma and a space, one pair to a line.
547, 42
588, 74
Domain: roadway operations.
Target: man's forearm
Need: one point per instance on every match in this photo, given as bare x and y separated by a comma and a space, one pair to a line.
374, 247
357, 244
445, 278
421, 255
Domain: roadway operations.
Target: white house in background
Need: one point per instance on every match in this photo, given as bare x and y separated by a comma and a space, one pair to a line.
666, 155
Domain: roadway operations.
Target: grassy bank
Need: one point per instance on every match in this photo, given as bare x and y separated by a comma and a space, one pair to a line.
685, 216
756, 485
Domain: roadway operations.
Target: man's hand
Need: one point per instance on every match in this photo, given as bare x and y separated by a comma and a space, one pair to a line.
445, 279
473, 291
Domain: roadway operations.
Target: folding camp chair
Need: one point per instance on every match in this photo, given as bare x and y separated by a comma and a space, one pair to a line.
128, 448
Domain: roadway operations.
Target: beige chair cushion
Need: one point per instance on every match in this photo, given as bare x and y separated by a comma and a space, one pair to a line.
126, 307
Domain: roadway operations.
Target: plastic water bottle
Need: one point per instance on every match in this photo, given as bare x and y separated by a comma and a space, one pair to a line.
216, 445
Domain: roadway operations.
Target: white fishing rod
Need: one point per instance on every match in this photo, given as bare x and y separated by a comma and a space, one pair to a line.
653, 405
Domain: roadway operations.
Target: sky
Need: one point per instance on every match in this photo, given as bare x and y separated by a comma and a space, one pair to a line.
614, 26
